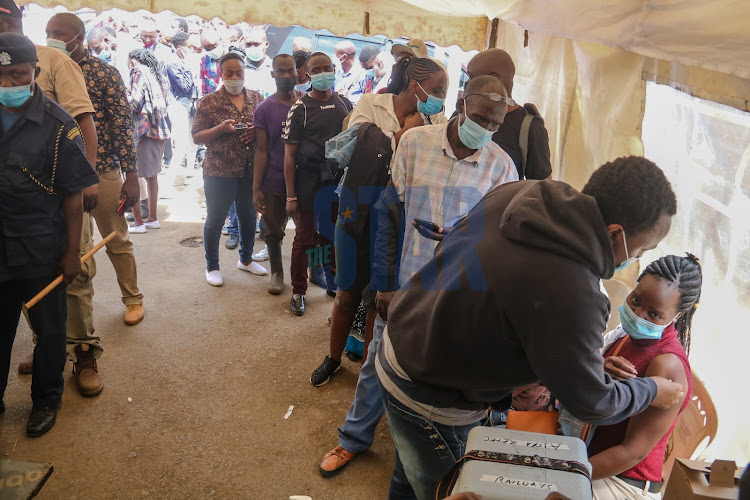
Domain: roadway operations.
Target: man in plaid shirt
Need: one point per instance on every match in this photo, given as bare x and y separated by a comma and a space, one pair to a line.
210, 72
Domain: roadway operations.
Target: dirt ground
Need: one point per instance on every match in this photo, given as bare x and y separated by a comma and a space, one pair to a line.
211, 373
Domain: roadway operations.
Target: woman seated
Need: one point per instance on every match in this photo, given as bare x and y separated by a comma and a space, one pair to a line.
653, 339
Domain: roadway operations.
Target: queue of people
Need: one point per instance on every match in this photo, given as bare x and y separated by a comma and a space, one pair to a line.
420, 219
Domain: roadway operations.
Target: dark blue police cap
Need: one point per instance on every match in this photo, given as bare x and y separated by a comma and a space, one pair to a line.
16, 49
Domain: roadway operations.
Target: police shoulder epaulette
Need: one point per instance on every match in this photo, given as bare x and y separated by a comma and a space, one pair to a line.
58, 112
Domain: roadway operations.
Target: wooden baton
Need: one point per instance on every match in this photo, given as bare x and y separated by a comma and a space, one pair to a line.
39, 296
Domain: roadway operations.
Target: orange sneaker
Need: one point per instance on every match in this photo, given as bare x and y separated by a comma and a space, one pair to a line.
335, 461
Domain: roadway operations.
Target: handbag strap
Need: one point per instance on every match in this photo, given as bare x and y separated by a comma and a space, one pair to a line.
449, 480
619, 346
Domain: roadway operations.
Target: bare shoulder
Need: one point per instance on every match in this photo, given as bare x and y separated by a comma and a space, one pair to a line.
668, 366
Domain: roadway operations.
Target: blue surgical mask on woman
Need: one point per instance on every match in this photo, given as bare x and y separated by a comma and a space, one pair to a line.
637, 327
432, 106
14, 97
628, 259
323, 81
303, 87
473, 135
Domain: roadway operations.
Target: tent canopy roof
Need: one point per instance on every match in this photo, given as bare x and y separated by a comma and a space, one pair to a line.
711, 35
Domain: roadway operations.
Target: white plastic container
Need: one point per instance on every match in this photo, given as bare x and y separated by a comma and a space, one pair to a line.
500, 481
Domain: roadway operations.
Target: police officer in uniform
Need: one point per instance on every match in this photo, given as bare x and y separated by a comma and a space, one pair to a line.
43, 169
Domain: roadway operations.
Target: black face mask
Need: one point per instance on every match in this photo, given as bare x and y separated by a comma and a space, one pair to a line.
286, 84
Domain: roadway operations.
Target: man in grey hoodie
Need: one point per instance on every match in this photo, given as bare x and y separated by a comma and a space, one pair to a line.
513, 296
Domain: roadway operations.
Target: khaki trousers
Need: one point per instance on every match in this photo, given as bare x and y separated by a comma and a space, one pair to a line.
120, 249
80, 325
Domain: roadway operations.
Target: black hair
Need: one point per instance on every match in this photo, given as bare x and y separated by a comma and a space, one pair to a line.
410, 69
368, 52
282, 56
318, 54
183, 23
686, 273
179, 39
233, 53
300, 58
633, 192
147, 58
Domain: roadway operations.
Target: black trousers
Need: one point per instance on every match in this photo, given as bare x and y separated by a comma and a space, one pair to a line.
48, 319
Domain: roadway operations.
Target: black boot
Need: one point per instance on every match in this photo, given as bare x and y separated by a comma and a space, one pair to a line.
277, 269
42, 419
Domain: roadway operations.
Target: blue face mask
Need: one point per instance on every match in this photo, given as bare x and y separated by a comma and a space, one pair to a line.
15, 97
473, 135
303, 87
60, 45
323, 81
432, 106
628, 259
637, 327
371, 74
105, 55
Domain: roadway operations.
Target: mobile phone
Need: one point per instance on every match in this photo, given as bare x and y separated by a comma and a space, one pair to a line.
121, 208
428, 225
239, 126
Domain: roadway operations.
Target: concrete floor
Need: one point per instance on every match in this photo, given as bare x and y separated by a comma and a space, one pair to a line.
211, 373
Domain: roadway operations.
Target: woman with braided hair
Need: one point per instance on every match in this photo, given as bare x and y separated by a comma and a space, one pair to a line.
148, 103
653, 339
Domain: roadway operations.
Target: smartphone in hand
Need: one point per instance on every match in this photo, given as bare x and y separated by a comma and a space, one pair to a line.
426, 228
121, 208
239, 126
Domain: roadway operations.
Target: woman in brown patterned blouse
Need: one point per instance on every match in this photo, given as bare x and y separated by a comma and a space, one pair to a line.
223, 122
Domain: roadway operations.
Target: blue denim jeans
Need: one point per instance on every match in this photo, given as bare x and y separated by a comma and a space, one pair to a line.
221, 192
425, 450
358, 432
234, 226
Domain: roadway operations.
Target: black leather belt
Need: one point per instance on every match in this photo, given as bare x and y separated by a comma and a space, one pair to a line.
652, 488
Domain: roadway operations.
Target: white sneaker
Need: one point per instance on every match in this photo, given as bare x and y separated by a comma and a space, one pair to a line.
253, 268
214, 278
262, 255
137, 229
152, 225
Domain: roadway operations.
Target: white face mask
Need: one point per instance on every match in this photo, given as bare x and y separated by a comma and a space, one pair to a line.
234, 87
60, 45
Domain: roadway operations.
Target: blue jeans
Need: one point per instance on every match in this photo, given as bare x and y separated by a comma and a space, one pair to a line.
221, 192
425, 450
358, 432
233, 227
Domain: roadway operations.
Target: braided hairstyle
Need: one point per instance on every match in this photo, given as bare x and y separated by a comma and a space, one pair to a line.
148, 59
686, 273
411, 69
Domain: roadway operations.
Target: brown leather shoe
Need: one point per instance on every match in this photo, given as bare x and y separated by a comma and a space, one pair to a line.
26, 366
133, 314
335, 461
89, 381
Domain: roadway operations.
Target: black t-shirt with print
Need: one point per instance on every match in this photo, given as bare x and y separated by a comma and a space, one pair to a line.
310, 123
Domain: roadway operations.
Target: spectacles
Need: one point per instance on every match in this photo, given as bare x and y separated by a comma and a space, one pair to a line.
497, 98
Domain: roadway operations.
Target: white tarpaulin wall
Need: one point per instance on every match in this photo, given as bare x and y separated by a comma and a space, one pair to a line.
586, 66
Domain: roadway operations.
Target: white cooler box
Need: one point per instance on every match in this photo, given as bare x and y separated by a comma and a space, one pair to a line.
547, 463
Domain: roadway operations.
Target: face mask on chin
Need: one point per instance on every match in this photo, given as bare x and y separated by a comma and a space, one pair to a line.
628, 259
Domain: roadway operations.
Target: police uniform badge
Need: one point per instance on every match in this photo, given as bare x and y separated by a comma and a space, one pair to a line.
5, 59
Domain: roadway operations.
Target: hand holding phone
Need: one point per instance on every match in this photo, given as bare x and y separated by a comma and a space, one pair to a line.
239, 126
428, 229
121, 208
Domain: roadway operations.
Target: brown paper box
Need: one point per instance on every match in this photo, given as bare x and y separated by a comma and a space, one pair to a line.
691, 480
